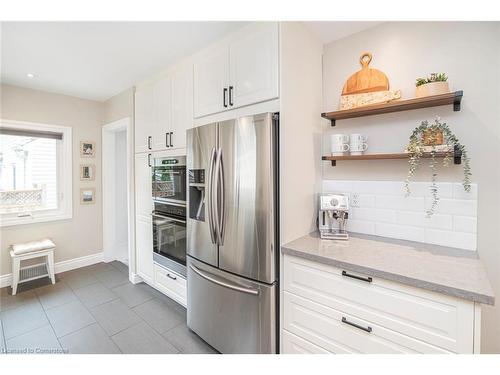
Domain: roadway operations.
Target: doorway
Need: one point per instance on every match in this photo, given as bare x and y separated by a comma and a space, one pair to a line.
118, 193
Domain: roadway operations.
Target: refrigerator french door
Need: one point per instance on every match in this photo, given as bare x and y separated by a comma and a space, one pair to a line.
231, 234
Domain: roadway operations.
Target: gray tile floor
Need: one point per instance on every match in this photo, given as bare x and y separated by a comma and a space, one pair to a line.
97, 310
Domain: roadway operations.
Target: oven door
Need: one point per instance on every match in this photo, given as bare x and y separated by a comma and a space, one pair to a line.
169, 183
169, 241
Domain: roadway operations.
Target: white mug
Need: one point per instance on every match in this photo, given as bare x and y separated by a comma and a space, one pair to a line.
358, 138
339, 144
340, 138
358, 148
338, 149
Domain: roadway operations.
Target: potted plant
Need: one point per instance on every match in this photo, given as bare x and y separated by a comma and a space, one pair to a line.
435, 84
433, 138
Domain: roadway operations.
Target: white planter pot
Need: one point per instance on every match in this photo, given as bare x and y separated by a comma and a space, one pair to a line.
433, 88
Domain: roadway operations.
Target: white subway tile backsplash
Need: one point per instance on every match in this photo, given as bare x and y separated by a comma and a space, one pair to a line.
361, 226
400, 202
366, 200
337, 186
465, 224
421, 220
459, 240
373, 214
403, 232
384, 210
460, 193
460, 207
422, 189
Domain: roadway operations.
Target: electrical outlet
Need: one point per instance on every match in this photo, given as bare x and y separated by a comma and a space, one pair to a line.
355, 200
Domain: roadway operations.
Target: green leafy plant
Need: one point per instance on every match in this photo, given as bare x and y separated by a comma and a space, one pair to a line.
434, 77
416, 146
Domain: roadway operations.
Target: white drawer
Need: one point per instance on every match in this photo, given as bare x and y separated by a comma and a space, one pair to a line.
324, 327
440, 320
293, 344
170, 283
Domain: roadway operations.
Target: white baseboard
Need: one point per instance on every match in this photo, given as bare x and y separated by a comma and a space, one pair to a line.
63, 266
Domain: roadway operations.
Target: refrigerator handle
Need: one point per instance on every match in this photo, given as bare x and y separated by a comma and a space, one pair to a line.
219, 198
222, 219
210, 196
225, 284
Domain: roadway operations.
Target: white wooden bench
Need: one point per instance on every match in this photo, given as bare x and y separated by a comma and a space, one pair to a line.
36, 249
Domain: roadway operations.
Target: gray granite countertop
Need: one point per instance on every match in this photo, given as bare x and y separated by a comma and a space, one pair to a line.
445, 270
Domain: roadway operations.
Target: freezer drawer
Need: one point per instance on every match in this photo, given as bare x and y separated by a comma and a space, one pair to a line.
232, 314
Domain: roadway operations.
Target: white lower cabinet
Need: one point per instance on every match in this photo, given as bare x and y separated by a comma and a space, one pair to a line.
327, 308
144, 247
293, 344
171, 284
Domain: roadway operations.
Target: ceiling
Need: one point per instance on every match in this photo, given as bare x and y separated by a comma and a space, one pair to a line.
96, 60
329, 31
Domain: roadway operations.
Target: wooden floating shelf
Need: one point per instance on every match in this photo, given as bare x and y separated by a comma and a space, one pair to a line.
457, 156
453, 98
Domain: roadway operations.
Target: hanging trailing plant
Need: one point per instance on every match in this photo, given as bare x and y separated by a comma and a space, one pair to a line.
431, 138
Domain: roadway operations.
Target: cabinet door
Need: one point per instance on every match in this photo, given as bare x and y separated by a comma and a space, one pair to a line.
253, 64
182, 106
144, 119
143, 200
162, 100
210, 78
144, 247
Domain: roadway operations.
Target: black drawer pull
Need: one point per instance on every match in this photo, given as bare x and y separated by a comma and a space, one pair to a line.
366, 279
366, 329
171, 277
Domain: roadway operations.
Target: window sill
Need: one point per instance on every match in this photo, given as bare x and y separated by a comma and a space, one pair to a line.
14, 221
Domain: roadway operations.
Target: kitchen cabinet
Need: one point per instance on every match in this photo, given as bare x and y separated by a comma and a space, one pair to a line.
143, 221
162, 107
171, 284
144, 247
164, 111
339, 313
182, 106
211, 81
253, 66
144, 119
240, 71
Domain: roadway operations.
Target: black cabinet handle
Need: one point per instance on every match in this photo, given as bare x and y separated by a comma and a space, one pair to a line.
224, 92
149, 142
171, 277
171, 136
366, 279
231, 96
149, 160
366, 329
166, 139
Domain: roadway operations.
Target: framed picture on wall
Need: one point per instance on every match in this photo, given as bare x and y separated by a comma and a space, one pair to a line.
87, 195
87, 149
87, 172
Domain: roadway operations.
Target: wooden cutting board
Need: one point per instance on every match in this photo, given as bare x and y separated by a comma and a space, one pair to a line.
367, 79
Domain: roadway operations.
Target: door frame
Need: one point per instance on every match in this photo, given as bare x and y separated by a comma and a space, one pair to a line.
108, 188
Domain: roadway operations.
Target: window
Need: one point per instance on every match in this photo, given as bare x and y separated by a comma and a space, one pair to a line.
35, 173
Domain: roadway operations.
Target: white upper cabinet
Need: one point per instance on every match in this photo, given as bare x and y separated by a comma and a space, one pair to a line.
239, 71
211, 72
144, 119
162, 103
182, 106
253, 66
164, 111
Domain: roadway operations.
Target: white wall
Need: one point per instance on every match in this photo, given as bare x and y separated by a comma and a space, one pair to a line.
121, 194
81, 235
300, 124
469, 53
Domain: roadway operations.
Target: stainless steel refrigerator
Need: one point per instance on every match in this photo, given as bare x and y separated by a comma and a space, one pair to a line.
232, 228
